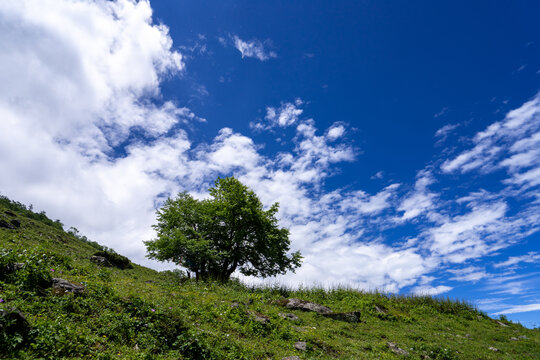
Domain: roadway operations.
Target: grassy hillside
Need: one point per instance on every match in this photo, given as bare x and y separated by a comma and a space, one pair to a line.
138, 313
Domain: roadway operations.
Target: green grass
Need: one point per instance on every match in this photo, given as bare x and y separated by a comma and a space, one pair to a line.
139, 313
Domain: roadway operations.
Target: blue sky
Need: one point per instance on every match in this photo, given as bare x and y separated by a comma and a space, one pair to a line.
401, 140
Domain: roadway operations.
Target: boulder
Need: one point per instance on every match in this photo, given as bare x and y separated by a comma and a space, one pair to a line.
351, 317
297, 304
100, 260
63, 286
380, 310
300, 345
501, 323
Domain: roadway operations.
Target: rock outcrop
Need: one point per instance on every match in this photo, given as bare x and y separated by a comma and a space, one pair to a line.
63, 286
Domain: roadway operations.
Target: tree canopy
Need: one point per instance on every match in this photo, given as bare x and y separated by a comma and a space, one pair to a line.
216, 236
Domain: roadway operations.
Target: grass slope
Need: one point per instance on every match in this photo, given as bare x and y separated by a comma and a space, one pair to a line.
139, 313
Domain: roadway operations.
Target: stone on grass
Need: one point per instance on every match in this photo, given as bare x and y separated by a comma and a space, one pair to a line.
501, 323
380, 310
493, 348
291, 358
300, 345
63, 286
298, 304
289, 316
397, 349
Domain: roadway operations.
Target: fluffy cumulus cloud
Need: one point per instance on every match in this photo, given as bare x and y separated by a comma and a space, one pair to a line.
86, 135
78, 77
252, 48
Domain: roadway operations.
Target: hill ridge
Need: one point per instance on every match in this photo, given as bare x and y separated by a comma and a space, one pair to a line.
139, 313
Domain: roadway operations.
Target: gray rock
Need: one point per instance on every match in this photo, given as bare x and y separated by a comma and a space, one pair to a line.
300, 345
100, 260
514, 339
501, 323
397, 349
380, 310
235, 305
351, 317
64, 286
493, 348
523, 337
297, 304
289, 316
291, 358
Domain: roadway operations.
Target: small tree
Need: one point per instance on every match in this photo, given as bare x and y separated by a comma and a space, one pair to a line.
216, 236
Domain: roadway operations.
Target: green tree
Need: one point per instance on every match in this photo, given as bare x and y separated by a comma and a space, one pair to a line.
216, 236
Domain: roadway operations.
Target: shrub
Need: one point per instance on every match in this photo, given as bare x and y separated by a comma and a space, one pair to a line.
117, 260
29, 270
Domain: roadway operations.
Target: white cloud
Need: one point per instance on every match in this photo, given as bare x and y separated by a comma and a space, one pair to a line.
335, 132
466, 236
445, 130
471, 273
519, 309
252, 48
77, 77
285, 115
420, 199
510, 143
431, 290
531, 257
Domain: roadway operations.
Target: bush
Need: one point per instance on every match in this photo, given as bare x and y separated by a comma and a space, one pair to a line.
29, 270
115, 259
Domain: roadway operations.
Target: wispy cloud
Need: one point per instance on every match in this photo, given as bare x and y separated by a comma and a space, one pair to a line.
471, 273
519, 309
443, 112
252, 48
513, 138
531, 257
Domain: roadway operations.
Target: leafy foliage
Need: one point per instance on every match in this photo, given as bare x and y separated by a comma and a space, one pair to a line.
215, 237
